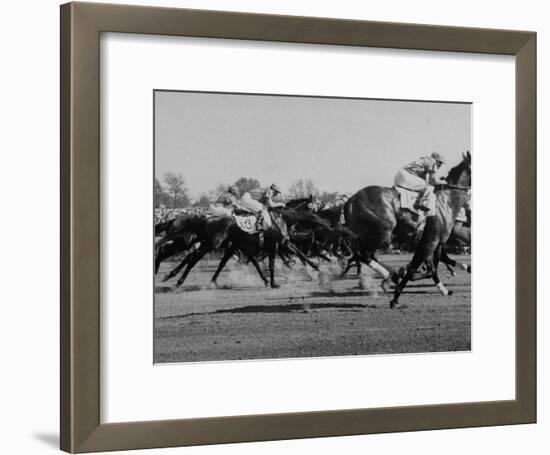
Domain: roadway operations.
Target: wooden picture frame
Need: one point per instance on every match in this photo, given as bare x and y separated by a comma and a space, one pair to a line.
81, 25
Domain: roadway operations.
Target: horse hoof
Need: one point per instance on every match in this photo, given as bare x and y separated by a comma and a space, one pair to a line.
266, 283
275, 286
384, 285
393, 303
450, 293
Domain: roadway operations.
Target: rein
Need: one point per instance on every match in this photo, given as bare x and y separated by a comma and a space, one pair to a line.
452, 187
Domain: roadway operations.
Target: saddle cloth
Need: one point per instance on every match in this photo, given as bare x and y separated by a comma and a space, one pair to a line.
247, 223
408, 199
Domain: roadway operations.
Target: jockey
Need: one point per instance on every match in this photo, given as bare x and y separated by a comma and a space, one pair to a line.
268, 196
260, 208
226, 203
341, 199
420, 176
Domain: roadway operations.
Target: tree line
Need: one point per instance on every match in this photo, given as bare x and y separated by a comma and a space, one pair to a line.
173, 193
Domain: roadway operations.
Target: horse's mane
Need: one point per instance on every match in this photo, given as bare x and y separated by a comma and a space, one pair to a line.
296, 202
456, 172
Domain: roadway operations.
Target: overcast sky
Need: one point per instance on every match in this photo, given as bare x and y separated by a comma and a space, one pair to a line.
341, 144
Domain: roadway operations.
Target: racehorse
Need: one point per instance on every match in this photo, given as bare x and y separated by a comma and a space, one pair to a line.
374, 212
176, 239
218, 232
301, 204
449, 200
332, 237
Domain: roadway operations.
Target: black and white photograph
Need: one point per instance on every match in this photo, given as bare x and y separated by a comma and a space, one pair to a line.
299, 226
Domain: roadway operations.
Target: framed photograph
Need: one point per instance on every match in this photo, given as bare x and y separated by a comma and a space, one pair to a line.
268, 227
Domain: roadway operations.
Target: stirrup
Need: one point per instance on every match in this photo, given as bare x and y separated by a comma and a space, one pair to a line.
418, 205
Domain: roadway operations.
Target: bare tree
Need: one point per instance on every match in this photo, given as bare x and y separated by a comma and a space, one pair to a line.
246, 185
303, 188
160, 195
176, 189
203, 201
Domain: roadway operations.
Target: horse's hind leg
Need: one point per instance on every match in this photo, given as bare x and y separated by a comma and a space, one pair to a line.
380, 268
411, 269
194, 257
162, 252
180, 266
452, 263
400, 286
393, 275
301, 256
177, 269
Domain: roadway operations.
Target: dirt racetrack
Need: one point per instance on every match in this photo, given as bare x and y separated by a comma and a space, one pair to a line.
310, 315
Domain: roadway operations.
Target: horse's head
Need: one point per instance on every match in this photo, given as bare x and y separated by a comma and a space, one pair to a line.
301, 203
461, 174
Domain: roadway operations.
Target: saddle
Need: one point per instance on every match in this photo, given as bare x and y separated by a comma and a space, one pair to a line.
408, 200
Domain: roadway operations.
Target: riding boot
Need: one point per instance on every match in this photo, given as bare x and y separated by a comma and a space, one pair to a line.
421, 202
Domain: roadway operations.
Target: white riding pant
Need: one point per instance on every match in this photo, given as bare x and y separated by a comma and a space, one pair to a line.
412, 182
256, 207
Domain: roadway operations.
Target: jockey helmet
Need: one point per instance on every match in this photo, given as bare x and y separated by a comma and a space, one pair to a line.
439, 158
275, 188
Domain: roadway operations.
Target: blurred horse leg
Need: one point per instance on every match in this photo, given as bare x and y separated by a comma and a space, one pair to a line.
226, 256
451, 262
271, 255
177, 269
194, 257
300, 255
435, 275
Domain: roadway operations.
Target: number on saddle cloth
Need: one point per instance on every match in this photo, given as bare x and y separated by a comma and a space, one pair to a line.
246, 223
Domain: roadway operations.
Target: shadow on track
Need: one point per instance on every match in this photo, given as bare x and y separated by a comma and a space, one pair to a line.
290, 308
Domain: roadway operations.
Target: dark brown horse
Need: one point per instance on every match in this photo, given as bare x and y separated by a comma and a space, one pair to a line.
449, 200
213, 233
301, 204
175, 238
374, 213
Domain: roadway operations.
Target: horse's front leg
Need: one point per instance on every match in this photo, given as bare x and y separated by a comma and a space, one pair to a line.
435, 275
272, 255
256, 264
227, 255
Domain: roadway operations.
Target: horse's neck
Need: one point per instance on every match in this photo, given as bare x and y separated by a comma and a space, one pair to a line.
458, 176
452, 200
